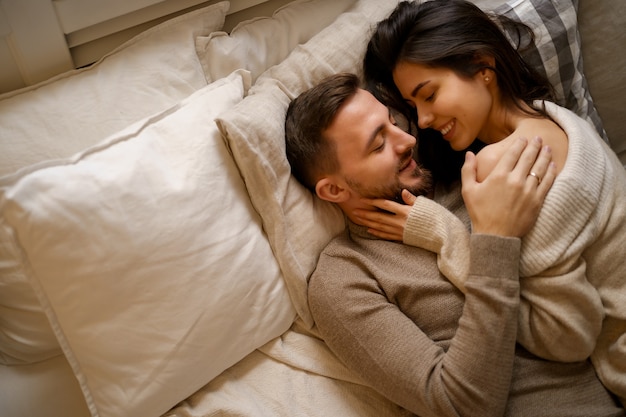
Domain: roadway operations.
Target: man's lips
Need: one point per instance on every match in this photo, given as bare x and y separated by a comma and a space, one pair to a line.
409, 164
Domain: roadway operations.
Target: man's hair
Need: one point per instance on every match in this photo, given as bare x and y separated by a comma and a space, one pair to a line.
309, 152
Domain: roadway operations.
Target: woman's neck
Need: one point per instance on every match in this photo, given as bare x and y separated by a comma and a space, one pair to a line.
503, 121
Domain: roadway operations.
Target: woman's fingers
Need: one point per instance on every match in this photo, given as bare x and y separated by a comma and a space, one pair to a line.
386, 219
382, 225
408, 198
382, 204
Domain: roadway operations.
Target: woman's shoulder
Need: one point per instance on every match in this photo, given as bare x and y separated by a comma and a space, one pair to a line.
551, 134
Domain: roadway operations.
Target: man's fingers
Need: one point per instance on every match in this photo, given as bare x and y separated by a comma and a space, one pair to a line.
547, 180
534, 159
540, 167
468, 170
514, 156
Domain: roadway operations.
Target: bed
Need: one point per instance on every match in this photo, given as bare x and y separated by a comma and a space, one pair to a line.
154, 249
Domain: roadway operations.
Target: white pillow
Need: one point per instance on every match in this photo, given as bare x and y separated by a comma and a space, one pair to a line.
259, 43
148, 257
70, 112
299, 224
41, 389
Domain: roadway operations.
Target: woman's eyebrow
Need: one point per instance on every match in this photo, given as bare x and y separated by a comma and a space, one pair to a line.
418, 87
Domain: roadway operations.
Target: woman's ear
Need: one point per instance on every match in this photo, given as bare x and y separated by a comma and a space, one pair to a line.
328, 189
487, 62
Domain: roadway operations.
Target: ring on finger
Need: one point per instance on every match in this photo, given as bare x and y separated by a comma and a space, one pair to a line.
534, 174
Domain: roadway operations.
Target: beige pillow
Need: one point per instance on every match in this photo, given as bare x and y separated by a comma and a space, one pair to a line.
298, 224
70, 112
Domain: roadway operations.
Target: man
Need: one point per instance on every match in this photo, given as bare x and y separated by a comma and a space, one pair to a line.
384, 308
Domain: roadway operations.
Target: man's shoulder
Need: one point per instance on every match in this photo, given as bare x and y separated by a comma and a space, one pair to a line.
334, 261
341, 245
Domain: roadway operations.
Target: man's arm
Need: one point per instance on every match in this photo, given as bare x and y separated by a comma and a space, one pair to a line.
378, 341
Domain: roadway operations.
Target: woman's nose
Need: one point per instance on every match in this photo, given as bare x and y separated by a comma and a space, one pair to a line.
424, 118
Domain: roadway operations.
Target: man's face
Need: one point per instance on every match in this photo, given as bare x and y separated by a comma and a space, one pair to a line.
375, 156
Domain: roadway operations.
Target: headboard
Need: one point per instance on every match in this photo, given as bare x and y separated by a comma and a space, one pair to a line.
43, 38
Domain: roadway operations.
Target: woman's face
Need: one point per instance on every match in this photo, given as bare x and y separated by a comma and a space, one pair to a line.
457, 107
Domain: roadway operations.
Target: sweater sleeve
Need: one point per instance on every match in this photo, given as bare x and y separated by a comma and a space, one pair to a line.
558, 301
432, 227
561, 313
389, 351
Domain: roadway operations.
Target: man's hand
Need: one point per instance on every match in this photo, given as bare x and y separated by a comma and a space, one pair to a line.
507, 202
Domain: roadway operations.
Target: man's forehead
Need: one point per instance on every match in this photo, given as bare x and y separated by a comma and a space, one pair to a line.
358, 110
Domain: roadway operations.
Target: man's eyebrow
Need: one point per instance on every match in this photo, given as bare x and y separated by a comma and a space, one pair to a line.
418, 87
375, 133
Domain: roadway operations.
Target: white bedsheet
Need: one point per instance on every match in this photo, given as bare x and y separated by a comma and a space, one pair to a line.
293, 375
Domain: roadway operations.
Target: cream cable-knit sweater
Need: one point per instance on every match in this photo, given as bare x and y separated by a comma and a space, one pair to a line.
573, 260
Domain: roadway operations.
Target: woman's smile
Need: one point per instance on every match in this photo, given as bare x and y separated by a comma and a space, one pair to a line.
447, 129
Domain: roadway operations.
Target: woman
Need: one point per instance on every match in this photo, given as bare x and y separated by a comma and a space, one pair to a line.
450, 65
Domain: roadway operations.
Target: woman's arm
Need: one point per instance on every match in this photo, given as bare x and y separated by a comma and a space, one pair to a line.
425, 224
432, 227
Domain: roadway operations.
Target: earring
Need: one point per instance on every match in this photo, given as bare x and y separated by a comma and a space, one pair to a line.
487, 79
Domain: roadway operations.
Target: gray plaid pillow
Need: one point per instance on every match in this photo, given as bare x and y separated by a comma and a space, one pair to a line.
557, 53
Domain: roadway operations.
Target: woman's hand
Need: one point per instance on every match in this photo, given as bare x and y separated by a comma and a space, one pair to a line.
507, 202
387, 218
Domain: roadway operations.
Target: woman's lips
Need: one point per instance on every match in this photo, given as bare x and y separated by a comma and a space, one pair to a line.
446, 130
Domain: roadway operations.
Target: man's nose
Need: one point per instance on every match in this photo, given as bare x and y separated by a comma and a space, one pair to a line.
404, 141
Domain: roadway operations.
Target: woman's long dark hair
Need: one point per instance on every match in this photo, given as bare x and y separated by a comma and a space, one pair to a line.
451, 34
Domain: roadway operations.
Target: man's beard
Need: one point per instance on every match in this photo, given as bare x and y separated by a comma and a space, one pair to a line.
393, 191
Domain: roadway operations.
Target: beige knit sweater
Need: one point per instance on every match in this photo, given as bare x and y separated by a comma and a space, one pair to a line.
573, 261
